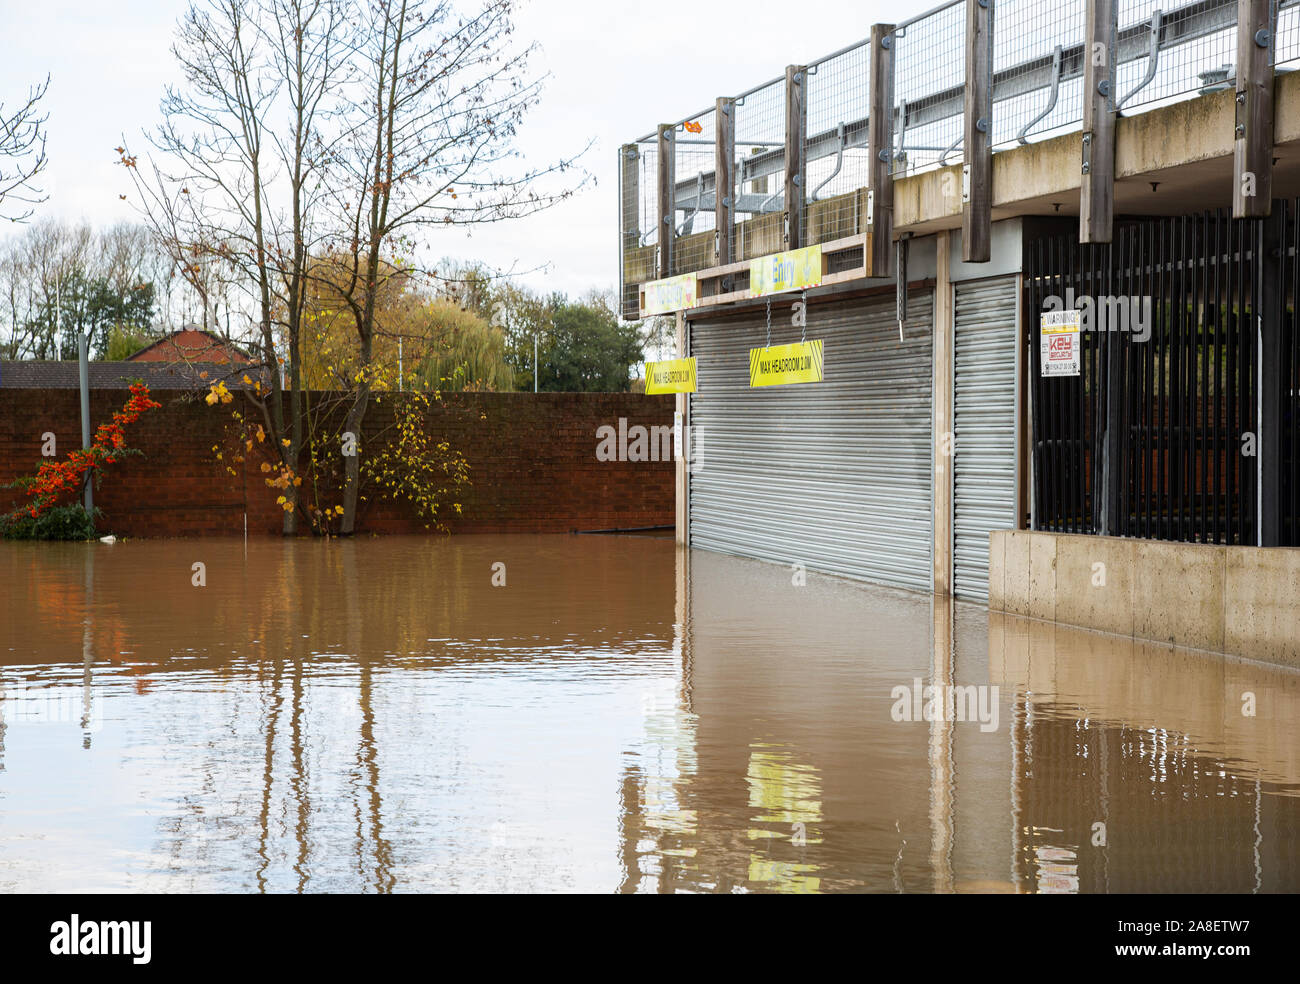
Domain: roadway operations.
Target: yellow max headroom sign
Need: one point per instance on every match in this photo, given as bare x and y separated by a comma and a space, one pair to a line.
780, 365
673, 376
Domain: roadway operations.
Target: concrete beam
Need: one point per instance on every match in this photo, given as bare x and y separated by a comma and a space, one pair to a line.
1186, 147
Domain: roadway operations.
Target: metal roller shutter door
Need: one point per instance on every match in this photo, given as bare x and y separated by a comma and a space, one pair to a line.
833, 475
984, 428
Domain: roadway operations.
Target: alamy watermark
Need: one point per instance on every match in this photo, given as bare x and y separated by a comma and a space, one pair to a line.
654, 443
940, 702
1106, 312
74, 937
49, 705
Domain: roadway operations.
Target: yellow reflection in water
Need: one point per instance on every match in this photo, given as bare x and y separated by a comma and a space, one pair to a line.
787, 793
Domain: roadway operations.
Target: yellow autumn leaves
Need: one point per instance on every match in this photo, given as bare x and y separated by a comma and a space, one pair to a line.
217, 393
412, 464
417, 468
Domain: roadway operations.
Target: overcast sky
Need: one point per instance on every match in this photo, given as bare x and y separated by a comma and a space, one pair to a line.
616, 69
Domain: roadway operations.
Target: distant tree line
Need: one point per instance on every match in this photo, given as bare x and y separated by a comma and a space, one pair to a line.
466, 328
115, 285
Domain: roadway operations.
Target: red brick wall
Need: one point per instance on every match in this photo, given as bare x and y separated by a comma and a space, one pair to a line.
532, 464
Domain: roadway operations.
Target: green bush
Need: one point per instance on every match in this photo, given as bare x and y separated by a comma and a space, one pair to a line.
59, 523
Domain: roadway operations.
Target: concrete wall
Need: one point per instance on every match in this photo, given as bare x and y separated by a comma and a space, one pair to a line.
532, 461
1185, 147
1236, 600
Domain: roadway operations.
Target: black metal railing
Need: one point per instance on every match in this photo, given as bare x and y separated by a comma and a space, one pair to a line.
1157, 435
1288, 375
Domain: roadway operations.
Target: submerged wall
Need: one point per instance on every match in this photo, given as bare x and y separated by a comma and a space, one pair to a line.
1227, 599
532, 462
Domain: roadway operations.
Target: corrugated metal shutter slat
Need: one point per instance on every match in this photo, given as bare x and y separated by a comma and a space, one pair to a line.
833, 475
984, 423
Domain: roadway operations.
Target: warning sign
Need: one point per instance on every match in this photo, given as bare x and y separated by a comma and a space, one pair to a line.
1059, 343
673, 376
780, 365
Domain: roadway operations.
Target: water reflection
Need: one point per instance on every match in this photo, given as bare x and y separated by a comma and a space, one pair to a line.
376, 716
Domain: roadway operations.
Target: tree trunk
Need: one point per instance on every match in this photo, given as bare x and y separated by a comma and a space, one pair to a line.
352, 463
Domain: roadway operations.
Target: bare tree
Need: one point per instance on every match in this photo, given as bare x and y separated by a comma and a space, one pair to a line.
241, 156
22, 155
301, 37
428, 143
319, 140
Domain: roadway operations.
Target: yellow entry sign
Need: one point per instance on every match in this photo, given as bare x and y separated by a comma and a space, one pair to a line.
672, 376
780, 365
798, 269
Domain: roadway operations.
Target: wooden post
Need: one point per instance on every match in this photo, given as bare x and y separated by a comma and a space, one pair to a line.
629, 220
1097, 181
667, 194
943, 388
682, 418
796, 138
724, 180
880, 140
1252, 158
977, 177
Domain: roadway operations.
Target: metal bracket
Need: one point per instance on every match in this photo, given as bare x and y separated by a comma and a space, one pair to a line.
1051, 97
951, 147
1153, 60
689, 222
902, 126
839, 162
1086, 166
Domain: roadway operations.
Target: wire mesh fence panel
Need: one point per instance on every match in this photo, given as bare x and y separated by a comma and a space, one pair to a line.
837, 158
694, 245
1164, 54
1038, 62
929, 89
638, 219
629, 224
760, 172
647, 181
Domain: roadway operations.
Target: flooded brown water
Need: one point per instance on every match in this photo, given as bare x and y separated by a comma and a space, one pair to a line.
377, 716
